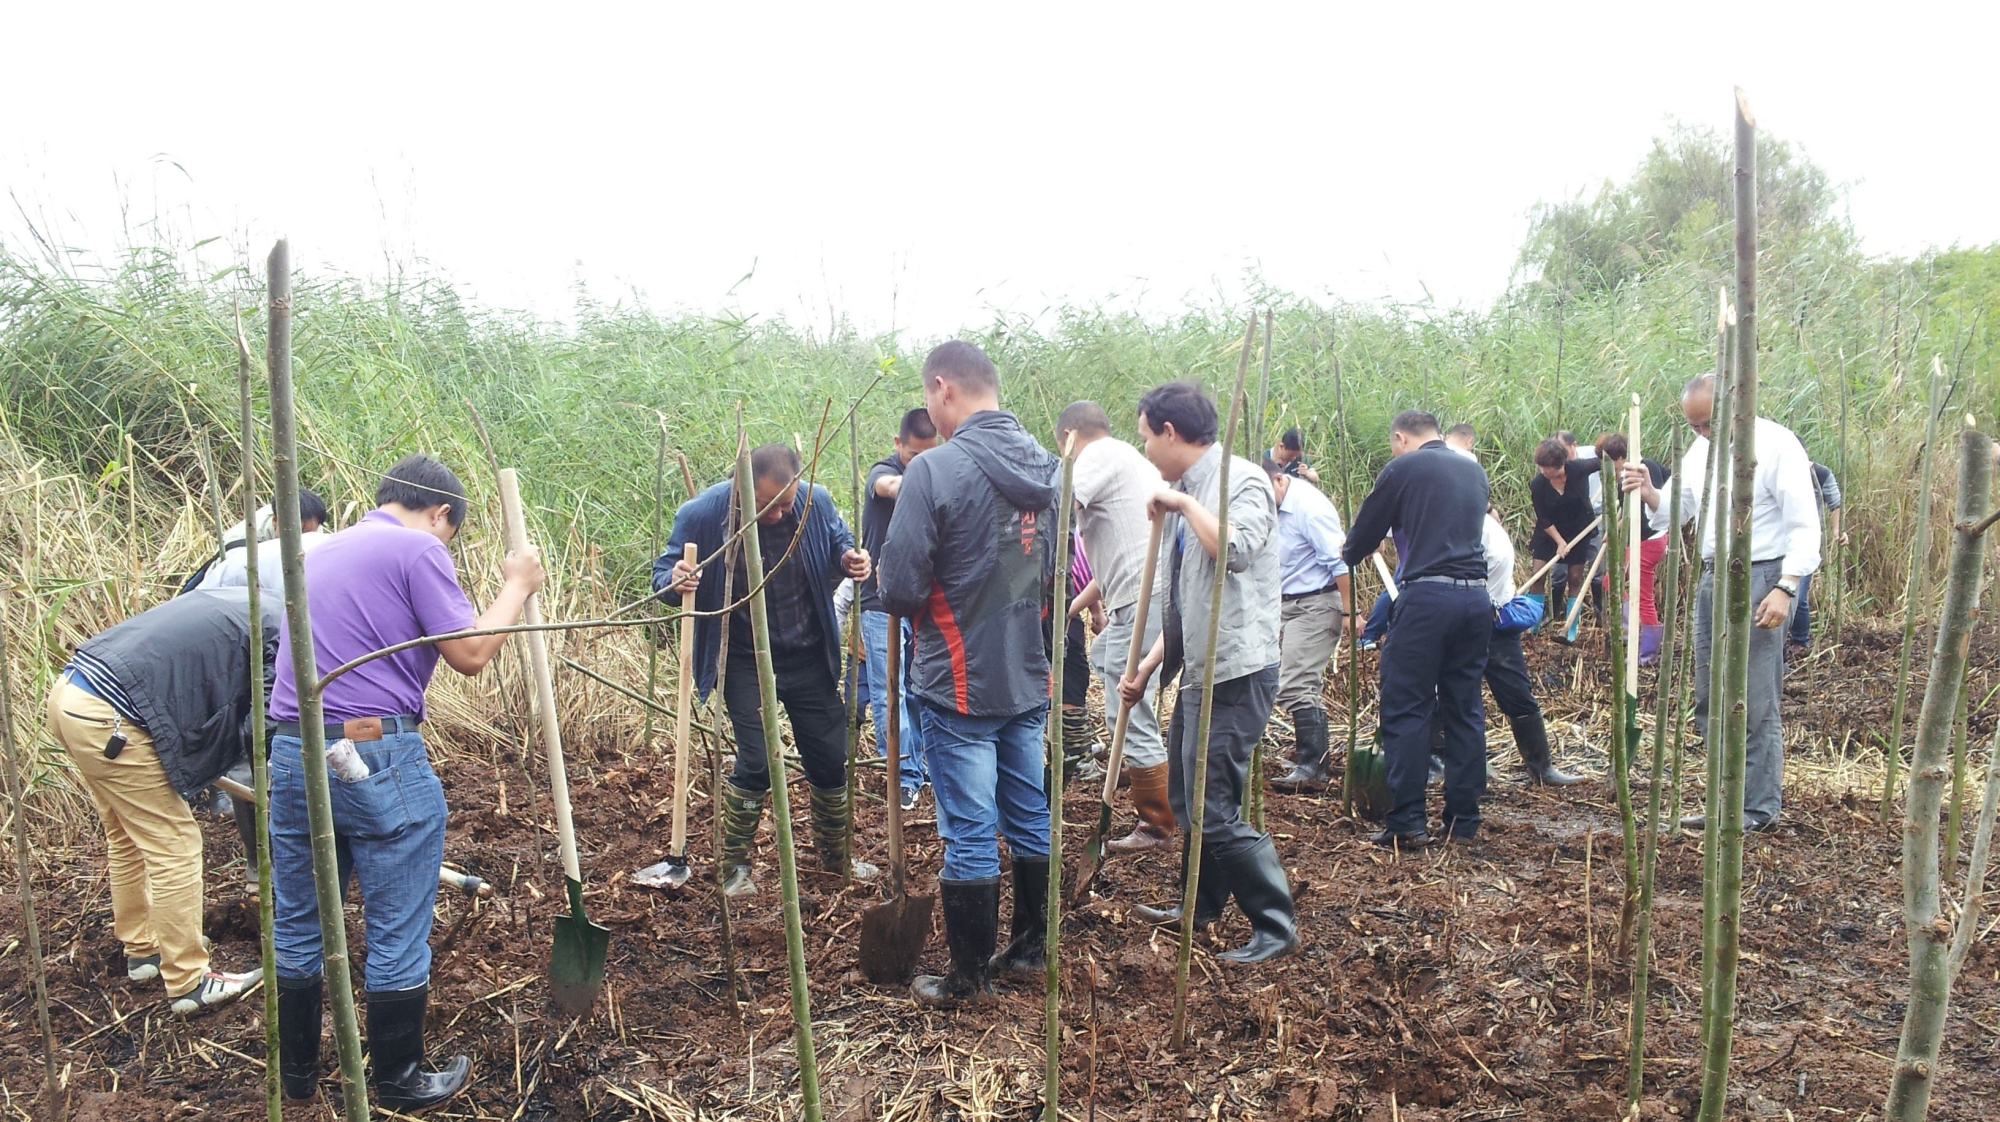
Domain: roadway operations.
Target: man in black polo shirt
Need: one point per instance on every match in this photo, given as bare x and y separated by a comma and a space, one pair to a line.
1435, 658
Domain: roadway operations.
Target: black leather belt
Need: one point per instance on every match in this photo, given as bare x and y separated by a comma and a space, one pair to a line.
1291, 596
1708, 563
360, 730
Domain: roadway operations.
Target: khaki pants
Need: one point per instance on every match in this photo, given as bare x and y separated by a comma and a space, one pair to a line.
1308, 638
150, 836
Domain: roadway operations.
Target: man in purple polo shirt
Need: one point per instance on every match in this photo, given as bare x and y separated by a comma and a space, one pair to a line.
386, 580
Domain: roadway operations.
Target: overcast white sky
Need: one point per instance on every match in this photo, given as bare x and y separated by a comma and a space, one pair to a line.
925, 166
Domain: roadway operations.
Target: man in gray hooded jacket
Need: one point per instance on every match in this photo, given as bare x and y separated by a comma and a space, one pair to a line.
970, 558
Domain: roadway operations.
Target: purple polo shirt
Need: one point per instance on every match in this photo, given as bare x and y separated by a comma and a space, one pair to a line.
373, 585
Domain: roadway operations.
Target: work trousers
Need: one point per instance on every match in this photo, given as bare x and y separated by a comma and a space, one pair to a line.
389, 829
986, 775
1433, 663
1308, 637
1764, 747
150, 837
1802, 614
811, 699
1142, 731
1241, 709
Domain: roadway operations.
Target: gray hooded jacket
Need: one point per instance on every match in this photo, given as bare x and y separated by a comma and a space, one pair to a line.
970, 558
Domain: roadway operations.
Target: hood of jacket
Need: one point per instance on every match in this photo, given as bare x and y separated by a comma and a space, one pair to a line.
1020, 469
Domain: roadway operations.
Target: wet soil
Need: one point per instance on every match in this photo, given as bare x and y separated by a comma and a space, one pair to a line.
1478, 983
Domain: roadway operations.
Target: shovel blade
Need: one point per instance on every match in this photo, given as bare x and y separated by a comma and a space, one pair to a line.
1093, 858
576, 965
1370, 783
892, 938
671, 874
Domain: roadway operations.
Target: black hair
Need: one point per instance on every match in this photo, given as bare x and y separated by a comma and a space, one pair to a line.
774, 461
1551, 453
1086, 418
1293, 440
1565, 436
917, 425
1273, 468
1183, 405
418, 482
1415, 422
1612, 446
962, 364
1462, 429
312, 508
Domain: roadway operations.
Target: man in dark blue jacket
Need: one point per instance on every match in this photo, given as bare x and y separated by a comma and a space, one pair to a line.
807, 549
1435, 658
970, 557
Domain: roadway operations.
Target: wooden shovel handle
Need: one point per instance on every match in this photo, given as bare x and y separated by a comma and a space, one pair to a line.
1135, 653
892, 674
1552, 562
1636, 513
684, 716
545, 685
1382, 570
1589, 576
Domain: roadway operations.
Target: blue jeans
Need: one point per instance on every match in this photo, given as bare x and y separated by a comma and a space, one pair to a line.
986, 774
389, 828
1802, 614
875, 638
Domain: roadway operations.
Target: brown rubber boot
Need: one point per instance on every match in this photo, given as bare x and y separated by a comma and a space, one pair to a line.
1156, 816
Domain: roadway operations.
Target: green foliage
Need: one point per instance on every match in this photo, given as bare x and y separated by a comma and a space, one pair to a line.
1677, 207
1619, 298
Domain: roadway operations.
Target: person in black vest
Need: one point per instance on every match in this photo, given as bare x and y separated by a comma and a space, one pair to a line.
151, 712
1436, 656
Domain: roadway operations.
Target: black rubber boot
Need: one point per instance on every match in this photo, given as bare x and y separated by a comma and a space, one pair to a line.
1308, 753
1025, 952
1257, 877
971, 929
1210, 896
396, 1044
298, 1036
1531, 736
742, 811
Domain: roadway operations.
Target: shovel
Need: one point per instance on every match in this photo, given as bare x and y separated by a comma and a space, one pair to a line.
672, 873
1368, 780
576, 964
1093, 850
1575, 621
893, 932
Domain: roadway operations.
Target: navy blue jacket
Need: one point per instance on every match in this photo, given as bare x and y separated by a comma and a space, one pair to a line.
704, 519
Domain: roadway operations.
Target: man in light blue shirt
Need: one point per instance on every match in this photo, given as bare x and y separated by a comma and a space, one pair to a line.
1315, 590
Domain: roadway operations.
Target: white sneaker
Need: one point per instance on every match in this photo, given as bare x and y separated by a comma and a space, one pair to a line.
215, 990
143, 969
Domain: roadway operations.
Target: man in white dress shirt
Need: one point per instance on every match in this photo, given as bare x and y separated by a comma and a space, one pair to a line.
1314, 591
1461, 438
232, 569
1784, 550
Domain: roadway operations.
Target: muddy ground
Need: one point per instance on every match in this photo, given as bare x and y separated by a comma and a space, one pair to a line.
1477, 983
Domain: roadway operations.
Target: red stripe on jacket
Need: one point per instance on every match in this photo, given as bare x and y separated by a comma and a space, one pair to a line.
947, 625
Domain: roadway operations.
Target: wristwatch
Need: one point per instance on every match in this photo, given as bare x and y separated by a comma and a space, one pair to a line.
1791, 590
